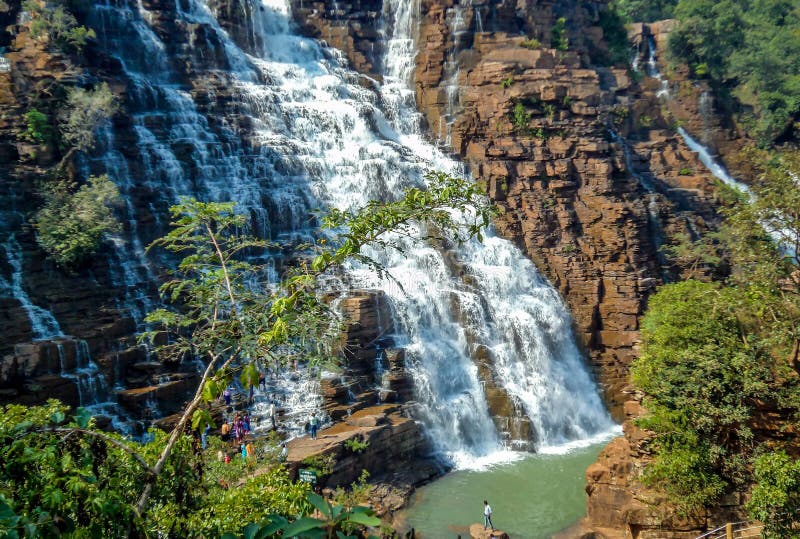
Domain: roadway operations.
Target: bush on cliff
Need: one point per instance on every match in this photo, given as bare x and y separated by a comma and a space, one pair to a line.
83, 114
55, 22
750, 51
717, 356
776, 497
616, 37
646, 10
73, 223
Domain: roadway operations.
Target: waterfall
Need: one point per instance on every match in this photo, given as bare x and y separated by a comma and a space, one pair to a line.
703, 153
652, 69
318, 138
713, 166
43, 324
716, 168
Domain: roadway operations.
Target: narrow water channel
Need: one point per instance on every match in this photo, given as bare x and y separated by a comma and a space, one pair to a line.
533, 497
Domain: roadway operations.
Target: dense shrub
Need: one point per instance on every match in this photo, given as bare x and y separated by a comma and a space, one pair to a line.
646, 10
716, 356
72, 223
37, 127
57, 24
750, 50
776, 497
616, 37
84, 112
558, 33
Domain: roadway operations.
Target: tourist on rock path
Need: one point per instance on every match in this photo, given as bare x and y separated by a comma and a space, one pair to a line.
487, 515
313, 425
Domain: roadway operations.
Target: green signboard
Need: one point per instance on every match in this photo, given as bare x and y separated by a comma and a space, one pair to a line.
308, 476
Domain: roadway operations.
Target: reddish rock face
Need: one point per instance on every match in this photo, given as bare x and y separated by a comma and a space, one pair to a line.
535, 128
590, 218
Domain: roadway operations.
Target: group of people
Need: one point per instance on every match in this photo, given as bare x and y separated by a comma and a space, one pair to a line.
236, 430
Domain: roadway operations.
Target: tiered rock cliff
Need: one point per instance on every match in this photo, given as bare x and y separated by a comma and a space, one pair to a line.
562, 179
592, 180
583, 161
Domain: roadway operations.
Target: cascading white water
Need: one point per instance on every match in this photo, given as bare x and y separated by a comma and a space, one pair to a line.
713, 166
705, 156
321, 139
652, 70
524, 321
709, 161
43, 324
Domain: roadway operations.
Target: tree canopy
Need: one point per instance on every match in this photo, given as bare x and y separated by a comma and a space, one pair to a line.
717, 358
749, 50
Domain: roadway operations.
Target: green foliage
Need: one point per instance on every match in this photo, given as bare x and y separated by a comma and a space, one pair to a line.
616, 37
57, 24
520, 118
646, 10
60, 475
619, 114
231, 509
321, 465
72, 223
549, 110
776, 496
531, 43
357, 494
85, 112
37, 127
702, 377
335, 522
220, 317
701, 70
507, 83
715, 354
750, 50
685, 171
558, 33
645, 121
356, 444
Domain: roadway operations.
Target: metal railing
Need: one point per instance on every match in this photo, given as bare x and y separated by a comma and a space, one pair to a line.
734, 530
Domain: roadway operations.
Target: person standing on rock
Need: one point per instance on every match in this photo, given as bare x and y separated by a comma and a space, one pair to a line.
487, 515
272, 414
313, 425
284, 452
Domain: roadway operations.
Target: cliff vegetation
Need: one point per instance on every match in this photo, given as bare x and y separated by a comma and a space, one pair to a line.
719, 363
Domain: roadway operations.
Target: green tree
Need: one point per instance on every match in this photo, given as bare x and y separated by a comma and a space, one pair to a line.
702, 374
73, 222
232, 326
646, 10
616, 36
776, 497
558, 33
716, 355
37, 127
85, 112
751, 53
52, 20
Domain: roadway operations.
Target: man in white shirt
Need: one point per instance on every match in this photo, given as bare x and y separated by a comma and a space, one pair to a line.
487, 515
